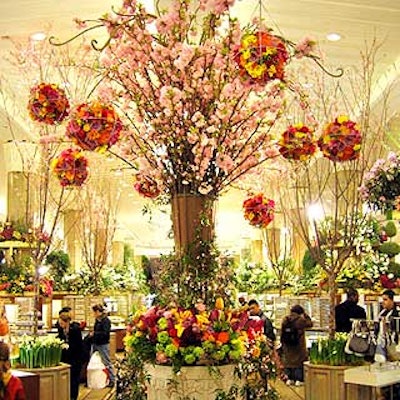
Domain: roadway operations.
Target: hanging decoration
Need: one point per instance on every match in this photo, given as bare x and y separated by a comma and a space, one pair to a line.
70, 167
341, 140
94, 126
146, 186
259, 210
262, 57
297, 143
48, 104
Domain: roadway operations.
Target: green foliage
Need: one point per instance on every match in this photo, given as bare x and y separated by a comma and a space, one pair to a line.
202, 273
60, 266
394, 268
255, 278
327, 351
389, 248
309, 262
390, 229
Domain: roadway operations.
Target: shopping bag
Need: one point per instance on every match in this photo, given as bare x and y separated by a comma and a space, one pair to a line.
97, 374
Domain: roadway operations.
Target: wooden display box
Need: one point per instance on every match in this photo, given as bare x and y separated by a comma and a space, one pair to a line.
54, 382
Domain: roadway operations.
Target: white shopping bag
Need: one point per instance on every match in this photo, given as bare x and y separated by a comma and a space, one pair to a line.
97, 374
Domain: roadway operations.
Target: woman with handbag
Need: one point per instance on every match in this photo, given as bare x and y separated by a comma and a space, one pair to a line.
387, 335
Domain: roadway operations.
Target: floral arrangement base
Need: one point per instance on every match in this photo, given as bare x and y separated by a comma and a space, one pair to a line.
320, 377
54, 381
194, 382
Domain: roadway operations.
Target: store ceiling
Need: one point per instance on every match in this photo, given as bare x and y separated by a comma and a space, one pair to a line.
357, 21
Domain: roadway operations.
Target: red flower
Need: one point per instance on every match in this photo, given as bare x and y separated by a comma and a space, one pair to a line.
386, 282
341, 140
48, 104
94, 126
297, 143
259, 211
70, 167
146, 186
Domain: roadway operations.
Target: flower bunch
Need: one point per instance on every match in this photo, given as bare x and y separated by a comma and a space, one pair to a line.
40, 352
94, 126
48, 104
178, 337
46, 286
381, 185
297, 143
262, 56
341, 140
8, 232
70, 167
259, 210
146, 186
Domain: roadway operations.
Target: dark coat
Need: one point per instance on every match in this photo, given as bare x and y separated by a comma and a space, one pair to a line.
346, 311
101, 330
294, 356
72, 355
268, 327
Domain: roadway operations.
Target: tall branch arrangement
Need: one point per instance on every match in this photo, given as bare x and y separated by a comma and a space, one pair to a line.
332, 182
199, 94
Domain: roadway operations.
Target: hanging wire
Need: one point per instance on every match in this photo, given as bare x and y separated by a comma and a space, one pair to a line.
260, 8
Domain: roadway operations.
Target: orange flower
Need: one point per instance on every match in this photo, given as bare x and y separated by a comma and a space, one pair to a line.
223, 337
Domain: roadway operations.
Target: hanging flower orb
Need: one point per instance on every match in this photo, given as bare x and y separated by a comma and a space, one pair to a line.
146, 186
262, 57
341, 140
70, 167
48, 104
94, 126
297, 143
259, 211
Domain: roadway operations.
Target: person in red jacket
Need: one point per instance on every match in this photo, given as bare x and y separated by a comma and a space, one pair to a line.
11, 387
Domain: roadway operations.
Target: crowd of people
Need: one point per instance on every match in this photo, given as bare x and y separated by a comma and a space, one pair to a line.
291, 343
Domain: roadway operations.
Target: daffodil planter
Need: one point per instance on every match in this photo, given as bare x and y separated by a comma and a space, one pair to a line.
194, 382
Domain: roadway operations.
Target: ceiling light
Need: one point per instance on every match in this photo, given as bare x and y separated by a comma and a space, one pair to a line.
38, 36
333, 36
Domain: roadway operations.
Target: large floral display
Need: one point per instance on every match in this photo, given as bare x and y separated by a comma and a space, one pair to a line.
199, 94
178, 337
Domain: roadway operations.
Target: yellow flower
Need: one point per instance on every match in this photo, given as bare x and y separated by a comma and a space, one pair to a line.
342, 118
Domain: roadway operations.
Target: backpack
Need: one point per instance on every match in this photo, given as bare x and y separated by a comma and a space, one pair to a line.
290, 335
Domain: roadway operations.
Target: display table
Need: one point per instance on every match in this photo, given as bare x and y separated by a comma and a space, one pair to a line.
372, 377
54, 382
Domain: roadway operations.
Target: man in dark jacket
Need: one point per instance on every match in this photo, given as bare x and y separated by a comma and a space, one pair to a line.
255, 310
347, 311
101, 339
71, 333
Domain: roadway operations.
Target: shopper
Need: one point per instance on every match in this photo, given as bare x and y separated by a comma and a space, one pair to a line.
255, 311
294, 349
71, 333
11, 387
387, 333
347, 311
101, 339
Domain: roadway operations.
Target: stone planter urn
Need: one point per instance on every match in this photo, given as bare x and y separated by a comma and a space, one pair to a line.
195, 382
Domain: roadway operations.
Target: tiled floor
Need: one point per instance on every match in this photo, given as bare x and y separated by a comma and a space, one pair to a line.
289, 392
285, 392
96, 394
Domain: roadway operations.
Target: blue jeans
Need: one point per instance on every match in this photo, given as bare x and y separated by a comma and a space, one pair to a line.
104, 350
